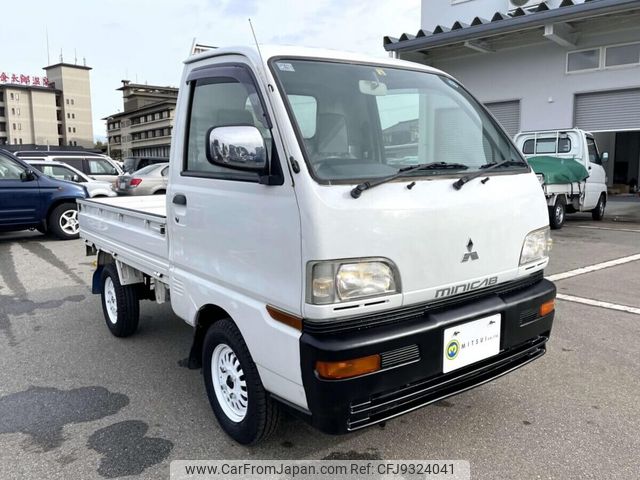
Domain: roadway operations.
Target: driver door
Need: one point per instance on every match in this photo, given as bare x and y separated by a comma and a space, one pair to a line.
596, 183
19, 198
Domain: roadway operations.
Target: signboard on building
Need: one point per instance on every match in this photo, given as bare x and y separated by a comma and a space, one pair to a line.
21, 79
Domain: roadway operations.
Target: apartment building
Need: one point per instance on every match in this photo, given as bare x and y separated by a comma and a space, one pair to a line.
143, 128
52, 109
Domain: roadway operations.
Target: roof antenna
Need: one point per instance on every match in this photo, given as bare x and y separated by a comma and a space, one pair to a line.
256, 41
46, 32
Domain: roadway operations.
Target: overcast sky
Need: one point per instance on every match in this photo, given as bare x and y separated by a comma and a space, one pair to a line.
146, 40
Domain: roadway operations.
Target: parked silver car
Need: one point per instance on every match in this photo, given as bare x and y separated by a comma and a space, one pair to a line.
150, 180
62, 171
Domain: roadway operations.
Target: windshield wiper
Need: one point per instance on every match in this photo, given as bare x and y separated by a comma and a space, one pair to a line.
458, 184
358, 189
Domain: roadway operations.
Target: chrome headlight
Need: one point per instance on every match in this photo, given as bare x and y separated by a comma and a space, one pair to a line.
536, 246
344, 280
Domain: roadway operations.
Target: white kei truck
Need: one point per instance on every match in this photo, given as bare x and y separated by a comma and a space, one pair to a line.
570, 170
351, 238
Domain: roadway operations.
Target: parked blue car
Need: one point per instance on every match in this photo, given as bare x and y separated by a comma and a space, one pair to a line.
31, 200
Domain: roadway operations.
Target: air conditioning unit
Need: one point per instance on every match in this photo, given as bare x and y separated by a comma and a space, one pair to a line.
524, 4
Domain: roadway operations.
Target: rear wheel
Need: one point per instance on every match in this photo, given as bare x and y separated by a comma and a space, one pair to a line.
160, 192
598, 212
239, 401
120, 303
557, 213
63, 221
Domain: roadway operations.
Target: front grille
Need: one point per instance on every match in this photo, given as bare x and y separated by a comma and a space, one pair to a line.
402, 314
527, 316
400, 356
398, 401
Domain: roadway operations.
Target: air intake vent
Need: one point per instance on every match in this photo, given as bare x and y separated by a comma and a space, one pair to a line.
400, 356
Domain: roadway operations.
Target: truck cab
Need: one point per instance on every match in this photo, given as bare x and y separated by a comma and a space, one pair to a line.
568, 190
351, 238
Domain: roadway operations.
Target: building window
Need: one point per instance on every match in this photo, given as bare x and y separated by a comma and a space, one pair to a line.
13, 111
73, 115
74, 129
583, 60
72, 102
17, 97
14, 126
11, 95
69, 128
18, 111
68, 115
19, 126
67, 101
20, 141
622, 55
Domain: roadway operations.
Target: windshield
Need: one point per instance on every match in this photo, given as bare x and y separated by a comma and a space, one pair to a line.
362, 121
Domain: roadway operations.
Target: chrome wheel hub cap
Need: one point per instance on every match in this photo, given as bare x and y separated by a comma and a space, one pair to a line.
69, 222
110, 300
229, 383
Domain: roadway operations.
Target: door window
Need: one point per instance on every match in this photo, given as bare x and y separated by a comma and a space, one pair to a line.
594, 156
100, 166
57, 172
219, 102
75, 162
9, 170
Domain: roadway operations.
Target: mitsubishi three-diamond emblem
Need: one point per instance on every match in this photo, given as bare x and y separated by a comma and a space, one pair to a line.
470, 255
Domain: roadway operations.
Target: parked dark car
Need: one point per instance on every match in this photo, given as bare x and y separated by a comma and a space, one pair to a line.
133, 164
32, 200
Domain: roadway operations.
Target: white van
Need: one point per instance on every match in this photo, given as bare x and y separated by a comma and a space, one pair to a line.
95, 165
351, 238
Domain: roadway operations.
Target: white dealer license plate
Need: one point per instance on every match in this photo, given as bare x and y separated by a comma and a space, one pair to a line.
471, 342
123, 185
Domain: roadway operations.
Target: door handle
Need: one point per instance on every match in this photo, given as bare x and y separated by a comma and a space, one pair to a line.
180, 199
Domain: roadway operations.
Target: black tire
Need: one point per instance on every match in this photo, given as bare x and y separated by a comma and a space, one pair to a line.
557, 214
126, 300
262, 412
160, 192
598, 212
56, 217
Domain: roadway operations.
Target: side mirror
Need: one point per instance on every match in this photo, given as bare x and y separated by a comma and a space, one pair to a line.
239, 147
76, 178
605, 157
27, 176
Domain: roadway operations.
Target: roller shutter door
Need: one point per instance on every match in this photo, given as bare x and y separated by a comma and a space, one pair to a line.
606, 111
508, 114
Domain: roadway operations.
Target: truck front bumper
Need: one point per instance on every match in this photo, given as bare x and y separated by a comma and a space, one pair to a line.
411, 376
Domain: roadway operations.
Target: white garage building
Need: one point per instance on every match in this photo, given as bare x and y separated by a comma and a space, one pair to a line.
543, 65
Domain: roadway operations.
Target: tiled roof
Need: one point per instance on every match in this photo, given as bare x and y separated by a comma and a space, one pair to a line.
499, 23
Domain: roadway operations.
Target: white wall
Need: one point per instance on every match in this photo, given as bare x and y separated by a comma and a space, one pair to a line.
446, 12
536, 76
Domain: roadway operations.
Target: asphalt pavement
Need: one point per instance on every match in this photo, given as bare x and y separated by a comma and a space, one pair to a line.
76, 402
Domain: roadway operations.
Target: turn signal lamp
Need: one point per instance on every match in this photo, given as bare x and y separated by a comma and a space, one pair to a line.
348, 368
547, 307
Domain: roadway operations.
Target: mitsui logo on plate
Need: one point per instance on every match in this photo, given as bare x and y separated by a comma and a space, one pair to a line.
470, 342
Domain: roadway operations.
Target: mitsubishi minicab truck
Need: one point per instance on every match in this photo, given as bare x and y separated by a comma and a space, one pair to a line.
351, 239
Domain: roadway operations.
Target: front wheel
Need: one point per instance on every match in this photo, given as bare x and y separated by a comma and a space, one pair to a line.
239, 401
557, 214
120, 303
598, 212
63, 221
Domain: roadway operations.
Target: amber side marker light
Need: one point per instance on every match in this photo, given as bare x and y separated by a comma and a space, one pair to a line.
348, 368
547, 307
284, 317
